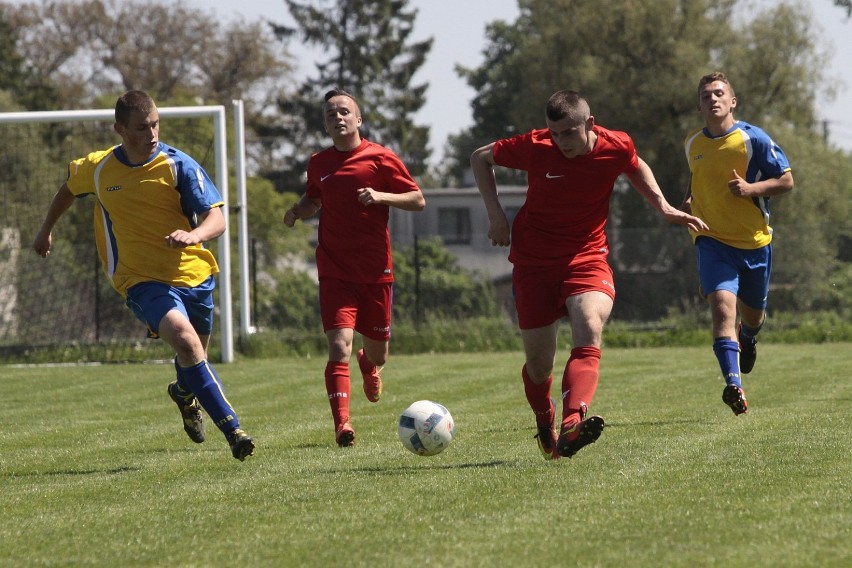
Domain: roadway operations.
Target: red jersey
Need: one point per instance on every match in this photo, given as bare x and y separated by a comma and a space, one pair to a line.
567, 201
354, 241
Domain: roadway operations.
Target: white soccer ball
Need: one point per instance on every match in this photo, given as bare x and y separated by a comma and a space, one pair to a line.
426, 428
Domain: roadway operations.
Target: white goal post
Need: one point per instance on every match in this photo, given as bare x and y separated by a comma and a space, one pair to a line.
217, 113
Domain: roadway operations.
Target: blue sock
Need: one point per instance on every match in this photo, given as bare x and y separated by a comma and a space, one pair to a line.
183, 388
204, 383
728, 354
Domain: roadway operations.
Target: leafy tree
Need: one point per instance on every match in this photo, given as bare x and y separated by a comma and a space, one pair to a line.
444, 291
25, 87
812, 228
639, 63
369, 54
288, 299
90, 47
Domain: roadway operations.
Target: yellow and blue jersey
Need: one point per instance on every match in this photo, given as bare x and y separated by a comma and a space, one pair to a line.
138, 206
736, 221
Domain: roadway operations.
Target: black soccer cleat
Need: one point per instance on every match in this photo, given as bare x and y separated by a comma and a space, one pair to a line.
735, 397
580, 435
242, 445
190, 412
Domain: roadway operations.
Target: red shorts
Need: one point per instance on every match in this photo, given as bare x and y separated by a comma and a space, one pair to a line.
540, 291
366, 308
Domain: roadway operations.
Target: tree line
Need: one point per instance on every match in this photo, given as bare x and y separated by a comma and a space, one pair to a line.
637, 62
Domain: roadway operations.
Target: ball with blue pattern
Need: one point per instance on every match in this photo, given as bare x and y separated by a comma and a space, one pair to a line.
426, 428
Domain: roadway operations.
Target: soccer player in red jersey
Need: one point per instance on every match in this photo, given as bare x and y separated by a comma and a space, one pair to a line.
559, 252
354, 182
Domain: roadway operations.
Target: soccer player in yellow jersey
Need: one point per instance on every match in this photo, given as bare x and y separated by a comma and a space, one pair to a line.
735, 167
154, 209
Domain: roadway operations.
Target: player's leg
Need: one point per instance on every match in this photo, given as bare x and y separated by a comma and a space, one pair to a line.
150, 301
723, 307
371, 359
718, 275
198, 302
588, 311
202, 379
190, 410
164, 310
337, 383
537, 376
752, 301
538, 306
374, 325
339, 311
747, 335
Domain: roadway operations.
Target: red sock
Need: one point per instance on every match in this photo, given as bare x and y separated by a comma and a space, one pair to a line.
338, 388
538, 396
579, 383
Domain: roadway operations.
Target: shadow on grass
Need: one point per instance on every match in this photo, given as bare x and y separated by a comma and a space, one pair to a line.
111, 471
645, 423
419, 468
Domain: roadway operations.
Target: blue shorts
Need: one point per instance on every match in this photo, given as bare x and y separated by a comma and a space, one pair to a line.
743, 272
150, 301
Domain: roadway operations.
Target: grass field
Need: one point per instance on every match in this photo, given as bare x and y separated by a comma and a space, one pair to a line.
96, 470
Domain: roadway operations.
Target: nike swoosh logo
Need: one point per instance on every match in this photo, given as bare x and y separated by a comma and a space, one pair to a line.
549, 176
323, 178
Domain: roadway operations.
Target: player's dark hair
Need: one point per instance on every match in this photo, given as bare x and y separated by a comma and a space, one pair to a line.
567, 103
712, 78
130, 102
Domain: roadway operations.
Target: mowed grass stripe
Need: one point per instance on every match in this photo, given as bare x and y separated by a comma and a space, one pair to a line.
96, 469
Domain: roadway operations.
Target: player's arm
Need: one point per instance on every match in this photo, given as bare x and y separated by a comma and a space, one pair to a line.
60, 204
642, 179
302, 209
764, 188
398, 188
212, 224
407, 201
482, 164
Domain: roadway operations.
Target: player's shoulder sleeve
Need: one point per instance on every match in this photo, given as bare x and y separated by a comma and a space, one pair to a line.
196, 188
395, 174
517, 152
769, 157
82, 172
314, 173
622, 145
689, 142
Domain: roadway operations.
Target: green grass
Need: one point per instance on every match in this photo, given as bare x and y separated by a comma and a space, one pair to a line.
96, 471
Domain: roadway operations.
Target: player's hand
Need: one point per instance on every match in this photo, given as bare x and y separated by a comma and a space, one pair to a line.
181, 239
677, 217
291, 215
739, 186
42, 244
499, 232
368, 196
